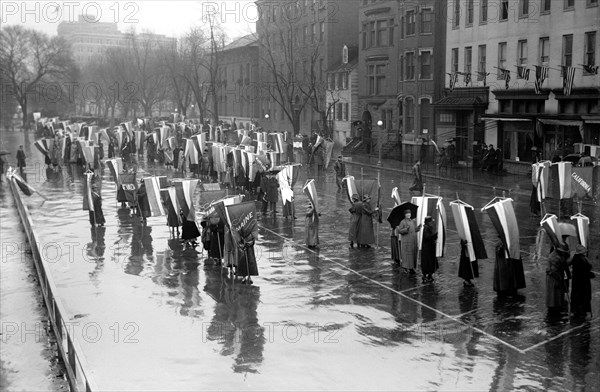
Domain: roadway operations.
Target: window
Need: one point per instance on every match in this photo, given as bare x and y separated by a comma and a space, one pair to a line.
568, 5
338, 83
544, 50
469, 12
483, 11
321, 69
345, 116
410, 66
481, 59
426, 21
382, 33
456, 19
339, 111
546, 6
426, 65
522, 52
322, 32
590, 49
371, 34
410, 115
523, 8
305, 34
468, 59
401, 73
376, 78
331, 81
391, 33
365, 29
454, 60
401, 27
501, 58
567, 52
504, 10
410, 23
344, 80
426, 114
313, 35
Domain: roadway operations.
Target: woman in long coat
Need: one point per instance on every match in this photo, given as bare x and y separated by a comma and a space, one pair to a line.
407, 232
189, 230
311, 224
429, 262
556, 271
97, 216
217, 239
508, 272
581, 288
354, 220
143, 207
467, 269
366, 234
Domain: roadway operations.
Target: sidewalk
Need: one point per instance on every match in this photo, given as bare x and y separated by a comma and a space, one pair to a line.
509, 182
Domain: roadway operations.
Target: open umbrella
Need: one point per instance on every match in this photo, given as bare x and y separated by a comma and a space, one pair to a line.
4, 152
397, 214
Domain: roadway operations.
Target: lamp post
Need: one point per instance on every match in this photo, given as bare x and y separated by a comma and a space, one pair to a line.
380, 124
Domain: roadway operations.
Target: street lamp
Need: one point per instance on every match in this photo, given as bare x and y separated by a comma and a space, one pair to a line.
380, 125
267, 116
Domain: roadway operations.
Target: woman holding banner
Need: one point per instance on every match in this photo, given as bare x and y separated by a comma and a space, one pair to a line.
467, 269
407, 232
311, 224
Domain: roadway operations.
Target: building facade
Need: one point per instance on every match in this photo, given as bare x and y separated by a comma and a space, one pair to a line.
342, 95
522, 74
301, 38
401, 66
89, 39
239, 70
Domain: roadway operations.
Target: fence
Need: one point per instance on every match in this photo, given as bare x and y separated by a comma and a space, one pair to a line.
78, 373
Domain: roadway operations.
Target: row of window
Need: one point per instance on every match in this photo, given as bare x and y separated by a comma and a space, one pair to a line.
243, 75
502, 9
337, 81
380, 33
589, 58
340, 111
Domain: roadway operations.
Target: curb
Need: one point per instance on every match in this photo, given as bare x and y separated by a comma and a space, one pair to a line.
76, 365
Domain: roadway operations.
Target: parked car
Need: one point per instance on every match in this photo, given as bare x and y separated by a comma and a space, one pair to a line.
575, 158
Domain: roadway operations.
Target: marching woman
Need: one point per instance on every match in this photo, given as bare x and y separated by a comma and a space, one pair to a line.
354, 220
189, 231
581, 288
311, 224
467, 269
429, 261
407, 232
96, 216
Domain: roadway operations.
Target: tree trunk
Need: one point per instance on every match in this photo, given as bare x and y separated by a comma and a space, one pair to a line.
24, 109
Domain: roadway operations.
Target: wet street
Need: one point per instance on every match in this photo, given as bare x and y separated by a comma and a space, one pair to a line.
150, 315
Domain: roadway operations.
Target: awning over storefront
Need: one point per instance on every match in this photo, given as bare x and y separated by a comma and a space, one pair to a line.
591, 119
506, 118
566, 123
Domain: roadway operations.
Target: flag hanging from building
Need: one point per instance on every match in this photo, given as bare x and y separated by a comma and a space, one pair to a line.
506, 76
541, 73
453, 80
523, 72
482, 76
590, 69
568, 77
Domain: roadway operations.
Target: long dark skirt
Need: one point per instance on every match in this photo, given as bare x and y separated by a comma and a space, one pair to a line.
247, 263
534, 204
395, 245
217, 241
189, 230
97, 216
508, 274
429, 262
467, 269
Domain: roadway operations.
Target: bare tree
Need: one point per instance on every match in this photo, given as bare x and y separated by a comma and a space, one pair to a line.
193, 51
30, 58
174, 63
281, 56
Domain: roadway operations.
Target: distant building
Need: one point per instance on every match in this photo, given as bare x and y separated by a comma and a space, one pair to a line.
239, 70
92, 38
342, 95
495, 51
401, 66
302, 25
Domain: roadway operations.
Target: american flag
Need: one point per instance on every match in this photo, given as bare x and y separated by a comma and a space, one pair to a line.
590, 69
541, 73
453, 80
523, 72
568, 76
505, 75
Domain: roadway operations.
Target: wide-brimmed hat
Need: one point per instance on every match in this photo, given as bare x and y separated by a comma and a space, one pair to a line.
580, 250
428, 219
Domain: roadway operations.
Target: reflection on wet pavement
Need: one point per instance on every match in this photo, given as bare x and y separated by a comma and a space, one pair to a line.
333, 318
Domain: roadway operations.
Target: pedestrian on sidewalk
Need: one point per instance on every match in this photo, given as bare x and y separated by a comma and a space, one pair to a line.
21, 164
407, 233
581, 288
429, 261
443, 161
340, 171
311, 224
467, 269
417, 185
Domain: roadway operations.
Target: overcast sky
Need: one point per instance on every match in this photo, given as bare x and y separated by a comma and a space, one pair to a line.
171, 18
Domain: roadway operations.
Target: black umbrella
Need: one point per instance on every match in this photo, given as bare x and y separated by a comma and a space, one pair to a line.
397, 213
